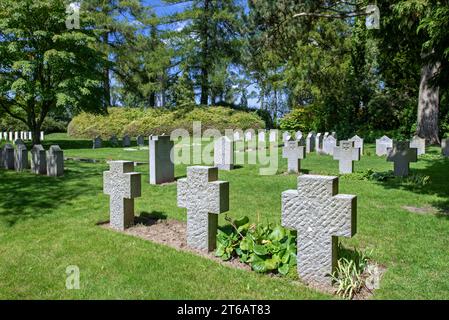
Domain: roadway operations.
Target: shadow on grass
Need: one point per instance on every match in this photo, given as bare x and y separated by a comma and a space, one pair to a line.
29, 196
150, 218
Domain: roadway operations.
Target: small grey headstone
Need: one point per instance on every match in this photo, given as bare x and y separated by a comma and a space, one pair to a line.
97, 143
445, 147
55, 161
18, 141
401, 154
162, 168
224, 153
329, 143
113, 141
294, 153
319, 143
126, 142
358, 143
418, 143
140, 141
8, 157
382, 145
346, 154
21, 157
310, 142
38, 160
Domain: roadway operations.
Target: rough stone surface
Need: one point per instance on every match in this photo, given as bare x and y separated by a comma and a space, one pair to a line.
299, 135
382, 145
126, 141
162, 168
310, 142
21, 157
97, 143
319, 143
346, 154
286, 136
294, 153
123, 186
224, 153
204, 198
320, 215
401, 154
418, 143
358, 143
261, 136
38, 160
8, 157
329, 143
55, 161
445, 147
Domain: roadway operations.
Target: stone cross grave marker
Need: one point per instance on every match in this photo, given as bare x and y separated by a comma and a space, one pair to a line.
294, 153
38, 160
123, 186
55, 161
126, 141
320, 215
401, 154
445, 147
382, 145
418, 143
346, 154
204, 198
358, 143
310, 142
20, 157
97, 142
329, 143
162, 168
224, 153
8, 157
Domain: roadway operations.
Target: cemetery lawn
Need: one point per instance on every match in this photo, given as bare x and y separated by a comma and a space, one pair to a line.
47, 224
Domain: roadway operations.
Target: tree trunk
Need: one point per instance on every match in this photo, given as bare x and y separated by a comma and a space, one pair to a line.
428, 105
106, 88
204, 100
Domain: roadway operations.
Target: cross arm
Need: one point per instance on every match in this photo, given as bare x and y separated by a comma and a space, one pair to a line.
289, 206
182, 192
218, 197
345, 223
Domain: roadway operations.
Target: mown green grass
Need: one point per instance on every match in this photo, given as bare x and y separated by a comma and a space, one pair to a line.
47, 224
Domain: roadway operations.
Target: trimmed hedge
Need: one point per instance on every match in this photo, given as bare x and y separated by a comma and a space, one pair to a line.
133, 122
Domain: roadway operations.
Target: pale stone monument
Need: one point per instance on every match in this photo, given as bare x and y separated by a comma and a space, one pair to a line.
38, 160
204, 198
10, 138
320, 215
162, 168
126, 141
55, 161
358, 143
239, 143
445, 147
8, 157
122, 185
319, 143
249, 135
274, 136
401, 154
140, 141
418, 143
382, 145
224, 153
299, 135
286, 135
261, 135
294, 153
97, 143
20, 157
42, 136
310, 142
346, 154
329, 143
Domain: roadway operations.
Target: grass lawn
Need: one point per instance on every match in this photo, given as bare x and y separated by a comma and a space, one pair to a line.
47, 224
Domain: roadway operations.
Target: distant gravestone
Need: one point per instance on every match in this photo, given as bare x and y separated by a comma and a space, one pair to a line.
204, 198
319, 143
310, 142
239, 143
38, 160
401, 154
358, 143
294, 153
274, 136
1, 158
126, 141
122, 185
97, 143
320, 215
224, 153
346, 154
249, 135
286, 136
261, 136
30, 135
326, 134
382, 145
8, 157
237, 135
113, 141
55, 161
418, 143
42, 136
329, 143
21, 157
140, 141
18, 141
445, 147
162, 168
299, 135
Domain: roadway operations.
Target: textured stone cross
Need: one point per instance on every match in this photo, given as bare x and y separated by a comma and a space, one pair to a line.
122, 185
204, 198
294, 153
320, 215
401, 154
346, 154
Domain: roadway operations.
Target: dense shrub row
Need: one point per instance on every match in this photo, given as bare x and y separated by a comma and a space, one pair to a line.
131, 121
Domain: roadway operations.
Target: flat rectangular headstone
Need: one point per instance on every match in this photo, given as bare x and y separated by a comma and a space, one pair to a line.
382, 145
162, 168
55, 161
20, 157
97, 143
310, 142
38, 160
329, 143
445, 147
8, 157
418, 143
126, 142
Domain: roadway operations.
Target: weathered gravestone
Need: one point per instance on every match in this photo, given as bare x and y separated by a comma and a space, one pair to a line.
97, 143
358, 143
126, 141
55, 161
18, 141
38, 160
238, 134
261, 136
274, 136
8, 157
319, 143
16, 135
205, 198
401, 154
140, 141
346, 154
113, 141
419, 144
445, 147
162, 168
239, 143
382, 145
310, 142
224, 153
299, 135
21, 157
294, 153
320, 215
122, 185
329, 143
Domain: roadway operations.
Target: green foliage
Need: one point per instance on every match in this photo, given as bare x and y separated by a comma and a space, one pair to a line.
266, 248
298, 119
414, 180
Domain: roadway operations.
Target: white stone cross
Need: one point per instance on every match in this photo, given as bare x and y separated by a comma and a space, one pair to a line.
122, 185
401, 154
320, 215
346, 154
204, 198
294, 153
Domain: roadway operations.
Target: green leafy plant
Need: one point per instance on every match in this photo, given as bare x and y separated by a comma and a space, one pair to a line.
265, 247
